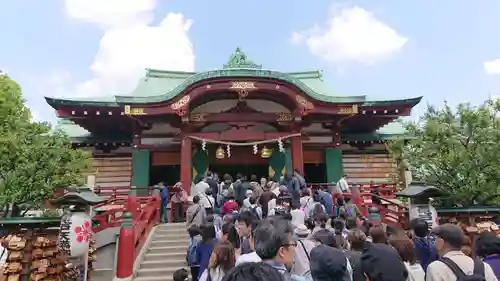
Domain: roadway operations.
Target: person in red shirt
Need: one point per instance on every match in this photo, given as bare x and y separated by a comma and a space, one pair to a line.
230, 206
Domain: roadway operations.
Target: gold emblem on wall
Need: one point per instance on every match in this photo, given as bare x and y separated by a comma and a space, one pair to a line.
284, 117
198, 117
128, 110
349, 110
180, 106
243, 88
180, 103
305, 104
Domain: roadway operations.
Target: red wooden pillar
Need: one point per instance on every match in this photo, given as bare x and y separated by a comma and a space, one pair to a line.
186, 164
297, 154
126, 248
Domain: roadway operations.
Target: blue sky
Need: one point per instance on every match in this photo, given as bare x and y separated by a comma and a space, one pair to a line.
385, 49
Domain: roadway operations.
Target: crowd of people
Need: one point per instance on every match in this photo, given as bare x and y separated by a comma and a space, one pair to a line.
237, 233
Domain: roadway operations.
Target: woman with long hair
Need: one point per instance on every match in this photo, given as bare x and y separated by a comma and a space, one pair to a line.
206, 246
223, 258
320, 221
406, 250
230, 235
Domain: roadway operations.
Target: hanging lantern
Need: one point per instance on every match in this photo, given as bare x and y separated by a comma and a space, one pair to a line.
219, 153
75, 233
265, 152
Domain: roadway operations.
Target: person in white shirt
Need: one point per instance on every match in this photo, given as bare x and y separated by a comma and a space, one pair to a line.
246, 202
298, 215
200, 187
208, 202
254, 208
271, 207
305, 201
342, 185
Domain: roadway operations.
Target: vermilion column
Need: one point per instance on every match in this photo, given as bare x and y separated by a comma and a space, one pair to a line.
126, 249
297, 154
186, 164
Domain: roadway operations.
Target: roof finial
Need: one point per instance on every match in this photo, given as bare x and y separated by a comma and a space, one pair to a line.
239, 60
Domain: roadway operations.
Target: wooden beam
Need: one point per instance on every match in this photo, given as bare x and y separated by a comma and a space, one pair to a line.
241, 117
239, 135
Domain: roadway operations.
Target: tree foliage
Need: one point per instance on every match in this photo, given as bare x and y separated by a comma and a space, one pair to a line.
34, 160
457, 150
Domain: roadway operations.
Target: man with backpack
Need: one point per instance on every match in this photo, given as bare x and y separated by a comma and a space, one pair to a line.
349, 210
455, 265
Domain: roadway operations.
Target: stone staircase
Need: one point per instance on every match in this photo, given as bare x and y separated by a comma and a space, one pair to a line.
165, 253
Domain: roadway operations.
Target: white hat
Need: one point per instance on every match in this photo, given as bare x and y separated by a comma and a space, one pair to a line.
302, 230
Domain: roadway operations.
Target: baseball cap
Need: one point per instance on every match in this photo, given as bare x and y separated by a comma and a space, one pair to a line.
452, 234
327, 263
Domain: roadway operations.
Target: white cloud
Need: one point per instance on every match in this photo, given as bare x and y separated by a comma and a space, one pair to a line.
492, 67
130, 44
351, 34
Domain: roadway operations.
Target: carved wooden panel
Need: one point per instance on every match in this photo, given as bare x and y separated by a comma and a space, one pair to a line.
363, 168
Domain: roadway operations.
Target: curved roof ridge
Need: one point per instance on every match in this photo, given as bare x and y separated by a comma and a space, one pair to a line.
308, 74
152, 72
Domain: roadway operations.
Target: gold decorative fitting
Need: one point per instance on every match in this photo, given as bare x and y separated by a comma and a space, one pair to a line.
266, 152
242, 85
180, 103
133, 111
243, 88
277, 87
219, 153
198, 117
208, 86
305, 104
284, 117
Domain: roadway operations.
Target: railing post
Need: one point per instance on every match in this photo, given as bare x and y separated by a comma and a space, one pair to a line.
126, 246
357, 200
131, 204
157, 201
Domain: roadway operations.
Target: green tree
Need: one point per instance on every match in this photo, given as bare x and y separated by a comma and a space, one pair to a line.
34, 160
457, 150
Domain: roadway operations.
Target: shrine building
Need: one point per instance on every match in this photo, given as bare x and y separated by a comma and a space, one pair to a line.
241, 118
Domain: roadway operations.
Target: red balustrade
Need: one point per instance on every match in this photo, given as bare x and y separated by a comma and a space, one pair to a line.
391, 212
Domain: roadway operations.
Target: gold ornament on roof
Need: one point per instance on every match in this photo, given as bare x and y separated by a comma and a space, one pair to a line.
219, 153
265, 152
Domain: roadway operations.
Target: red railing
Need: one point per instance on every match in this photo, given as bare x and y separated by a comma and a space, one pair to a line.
108, 214
142, 206
390, 211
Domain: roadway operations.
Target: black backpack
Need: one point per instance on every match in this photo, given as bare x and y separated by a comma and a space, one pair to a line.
477, 275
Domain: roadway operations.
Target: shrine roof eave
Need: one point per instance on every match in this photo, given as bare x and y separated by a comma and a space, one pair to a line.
411, 102
375, 137
76, 102
58, 103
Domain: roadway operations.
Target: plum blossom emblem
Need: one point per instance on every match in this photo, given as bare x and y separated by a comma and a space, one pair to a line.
83, 232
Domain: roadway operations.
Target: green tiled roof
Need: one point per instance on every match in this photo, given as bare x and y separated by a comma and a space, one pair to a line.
71, 129
161, 85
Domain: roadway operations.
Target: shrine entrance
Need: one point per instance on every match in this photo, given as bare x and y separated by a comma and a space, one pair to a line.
260, 170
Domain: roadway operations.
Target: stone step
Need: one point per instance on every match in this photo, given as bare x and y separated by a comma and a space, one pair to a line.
159, 264
166, 249
173, 226
164, 272
170, 236
169, 242
171, 231
158, 278
174, 255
